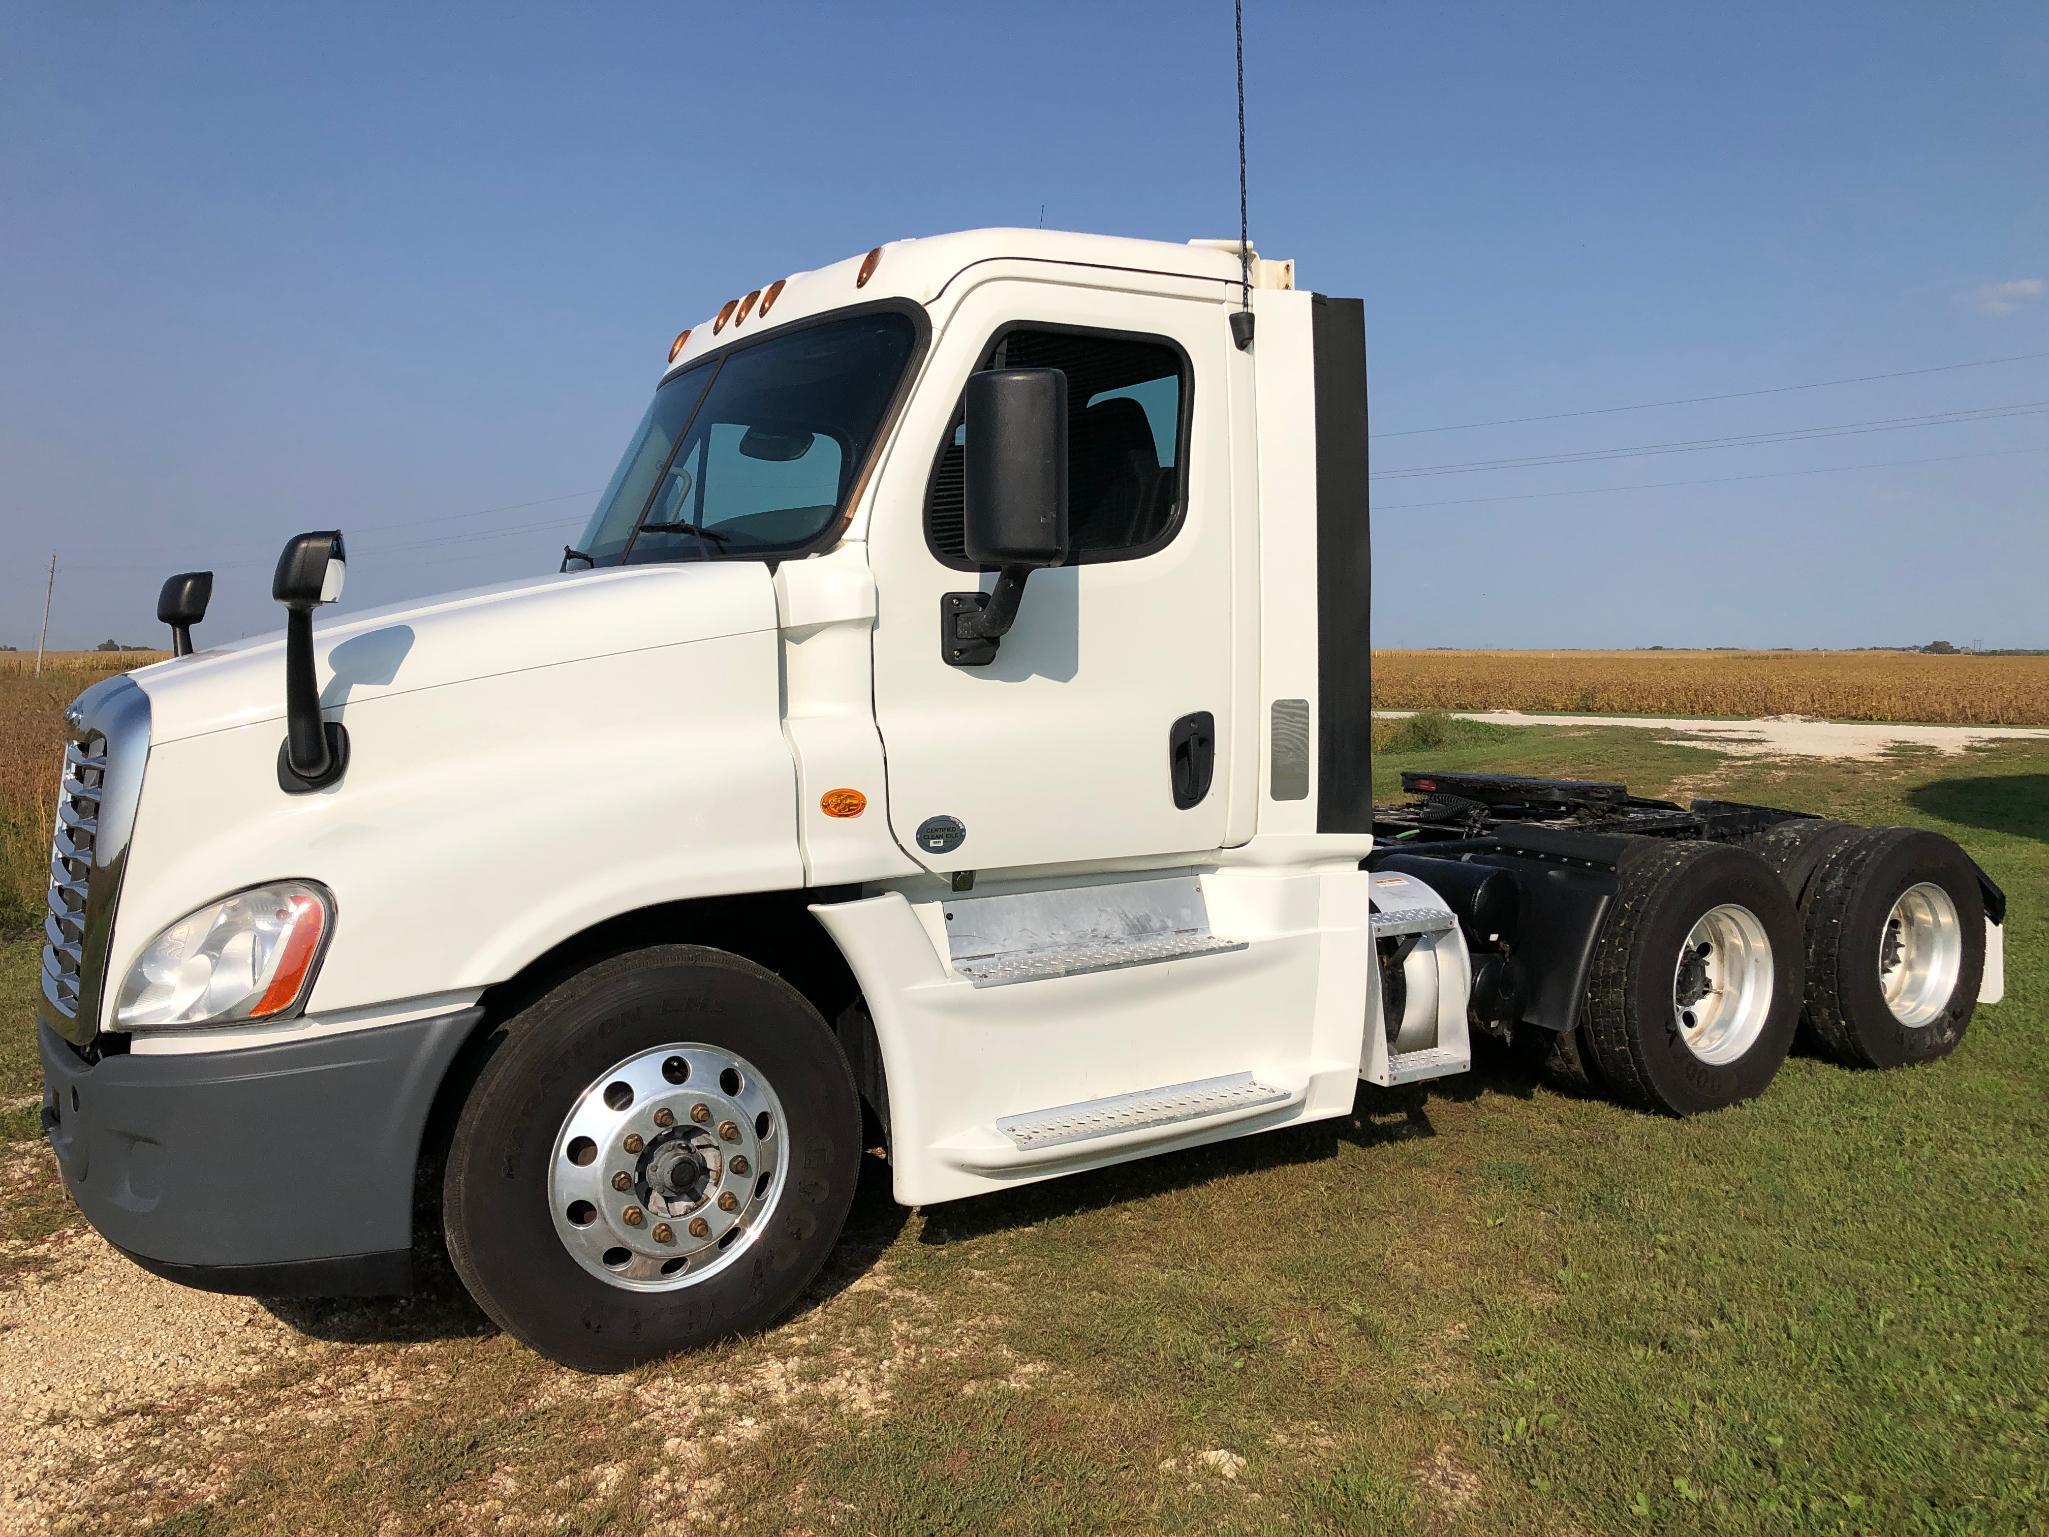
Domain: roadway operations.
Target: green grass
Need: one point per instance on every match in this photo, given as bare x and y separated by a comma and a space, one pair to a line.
1473, 1306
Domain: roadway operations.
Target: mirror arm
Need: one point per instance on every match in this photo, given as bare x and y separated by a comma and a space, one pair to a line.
973, 624
994, 619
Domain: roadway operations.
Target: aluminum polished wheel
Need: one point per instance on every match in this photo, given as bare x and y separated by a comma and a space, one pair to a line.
1722, 985
1920, 954
667, 1167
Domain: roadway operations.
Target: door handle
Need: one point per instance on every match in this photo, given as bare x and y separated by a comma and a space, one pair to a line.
1192, 757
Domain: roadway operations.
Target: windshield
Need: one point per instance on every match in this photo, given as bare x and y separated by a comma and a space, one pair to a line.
754, 450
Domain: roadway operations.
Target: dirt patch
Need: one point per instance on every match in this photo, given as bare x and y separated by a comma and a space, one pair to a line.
91, 1348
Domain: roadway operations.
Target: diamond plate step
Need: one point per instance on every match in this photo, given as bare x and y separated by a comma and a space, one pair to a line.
1402, 921
1134, 1112
1431, 1062
1029, 936
1080, 957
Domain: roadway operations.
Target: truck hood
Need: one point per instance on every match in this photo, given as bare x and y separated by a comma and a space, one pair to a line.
457, 637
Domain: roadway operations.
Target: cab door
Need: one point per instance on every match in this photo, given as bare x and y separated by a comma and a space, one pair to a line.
1102, 729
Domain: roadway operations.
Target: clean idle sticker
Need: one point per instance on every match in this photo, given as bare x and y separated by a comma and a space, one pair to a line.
941, 835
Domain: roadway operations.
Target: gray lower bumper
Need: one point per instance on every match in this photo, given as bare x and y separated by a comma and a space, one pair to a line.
274, 1170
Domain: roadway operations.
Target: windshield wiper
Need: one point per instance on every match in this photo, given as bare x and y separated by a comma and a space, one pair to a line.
708, 535
571, 552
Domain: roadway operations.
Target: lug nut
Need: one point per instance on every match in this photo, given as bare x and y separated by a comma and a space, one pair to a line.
728, 1201
728, 1132
633, 1144
700, 1112
663, 1233
633, 1216
622, 1181
699, 1228
665, 1117
739, 1164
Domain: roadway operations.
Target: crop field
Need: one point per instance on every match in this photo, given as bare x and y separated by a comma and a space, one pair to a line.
1953, 690
1474, 1306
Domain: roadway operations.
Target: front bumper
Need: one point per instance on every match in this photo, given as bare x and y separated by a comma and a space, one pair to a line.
281, 1170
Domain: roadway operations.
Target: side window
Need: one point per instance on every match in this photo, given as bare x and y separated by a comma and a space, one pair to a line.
1125, 402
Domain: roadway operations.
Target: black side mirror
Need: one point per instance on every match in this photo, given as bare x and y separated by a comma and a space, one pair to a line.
1015, 501
309, 573
182, 604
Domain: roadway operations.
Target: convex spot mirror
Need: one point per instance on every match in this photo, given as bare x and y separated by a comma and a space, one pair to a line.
1015, 512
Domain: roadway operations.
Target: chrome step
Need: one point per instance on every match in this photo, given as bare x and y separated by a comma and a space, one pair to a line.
1430, 1062
1030, 936
1135, 1112
1402, 921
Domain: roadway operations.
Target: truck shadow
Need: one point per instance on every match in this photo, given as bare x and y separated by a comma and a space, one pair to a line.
440, 1309
1379, 1117
2016, 804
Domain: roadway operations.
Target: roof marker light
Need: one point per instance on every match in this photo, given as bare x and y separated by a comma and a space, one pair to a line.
725, 314
676, 346
774, 292
868, 264
747, 306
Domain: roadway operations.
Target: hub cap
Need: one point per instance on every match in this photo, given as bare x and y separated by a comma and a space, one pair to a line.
667, 1167
1722, 985
1920, 954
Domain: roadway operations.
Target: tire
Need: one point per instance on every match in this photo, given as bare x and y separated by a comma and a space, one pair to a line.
773, 1084
1885, 1000
1796, 849
1670, 1028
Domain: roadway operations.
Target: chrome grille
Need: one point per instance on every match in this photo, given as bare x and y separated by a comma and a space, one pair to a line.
71, 865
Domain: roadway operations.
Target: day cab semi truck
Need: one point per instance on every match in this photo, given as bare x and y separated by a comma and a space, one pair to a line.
950, 734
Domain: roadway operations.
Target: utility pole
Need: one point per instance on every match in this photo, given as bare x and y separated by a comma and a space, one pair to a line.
44, 633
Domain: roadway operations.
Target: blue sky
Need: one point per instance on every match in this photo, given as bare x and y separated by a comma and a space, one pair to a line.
267, 268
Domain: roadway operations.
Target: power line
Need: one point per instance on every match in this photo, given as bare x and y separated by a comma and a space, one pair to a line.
1695, 400
1717, 480
1739, 440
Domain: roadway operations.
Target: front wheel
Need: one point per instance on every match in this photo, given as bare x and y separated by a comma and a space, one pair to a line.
657, 1155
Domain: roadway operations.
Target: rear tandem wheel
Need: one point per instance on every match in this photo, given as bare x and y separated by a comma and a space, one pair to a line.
1695, 989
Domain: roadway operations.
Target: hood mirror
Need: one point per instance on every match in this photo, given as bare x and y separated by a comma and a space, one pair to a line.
309, 573
182, 604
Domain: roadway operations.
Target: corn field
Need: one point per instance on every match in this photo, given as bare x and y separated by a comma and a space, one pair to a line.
1835, 685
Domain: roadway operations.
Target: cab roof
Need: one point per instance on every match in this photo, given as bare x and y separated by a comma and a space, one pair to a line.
921, 269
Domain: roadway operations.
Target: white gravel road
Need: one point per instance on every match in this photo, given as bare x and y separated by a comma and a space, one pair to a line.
1779, 736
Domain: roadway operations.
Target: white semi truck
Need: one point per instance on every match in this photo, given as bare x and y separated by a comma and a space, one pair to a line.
951, 731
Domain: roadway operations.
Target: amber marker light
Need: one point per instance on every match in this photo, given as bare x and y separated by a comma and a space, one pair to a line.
868, 266
725, 314
747, 305
775, 292
842, 803
676, 346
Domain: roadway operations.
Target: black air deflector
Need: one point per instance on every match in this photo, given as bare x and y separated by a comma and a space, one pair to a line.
1344, 569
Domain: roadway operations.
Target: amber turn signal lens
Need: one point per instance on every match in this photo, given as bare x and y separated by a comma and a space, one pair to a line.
676, 346
725, 314
775, 292
842, 803
868, 266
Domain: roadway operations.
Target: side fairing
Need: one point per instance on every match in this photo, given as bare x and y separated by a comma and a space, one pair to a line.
484, 820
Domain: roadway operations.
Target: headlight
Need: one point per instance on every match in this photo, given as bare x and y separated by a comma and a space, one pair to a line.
248, 956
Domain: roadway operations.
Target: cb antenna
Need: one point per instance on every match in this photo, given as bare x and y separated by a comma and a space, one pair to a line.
1241, 323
